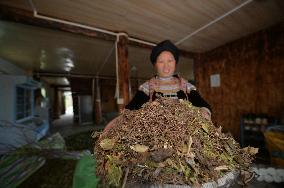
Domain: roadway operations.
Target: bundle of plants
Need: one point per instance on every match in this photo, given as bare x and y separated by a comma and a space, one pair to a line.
167, 142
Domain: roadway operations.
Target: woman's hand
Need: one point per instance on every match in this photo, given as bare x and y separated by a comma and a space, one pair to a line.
108, 127
205, 112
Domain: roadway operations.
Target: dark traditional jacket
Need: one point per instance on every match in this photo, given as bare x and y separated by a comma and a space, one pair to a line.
174, 87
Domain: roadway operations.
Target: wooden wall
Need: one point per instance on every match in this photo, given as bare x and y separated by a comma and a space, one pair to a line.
108, 93
79, 86
83, 86
107, 96
252, 77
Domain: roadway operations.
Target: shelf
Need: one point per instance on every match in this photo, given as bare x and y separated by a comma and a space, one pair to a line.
251, 131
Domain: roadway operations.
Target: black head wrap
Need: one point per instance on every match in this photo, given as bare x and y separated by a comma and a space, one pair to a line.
165, 45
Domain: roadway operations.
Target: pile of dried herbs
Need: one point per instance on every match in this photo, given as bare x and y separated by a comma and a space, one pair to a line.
167, 142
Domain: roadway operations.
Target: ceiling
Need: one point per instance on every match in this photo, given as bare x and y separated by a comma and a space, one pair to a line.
47, 50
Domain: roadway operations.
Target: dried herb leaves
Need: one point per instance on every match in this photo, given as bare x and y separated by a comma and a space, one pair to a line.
167, 141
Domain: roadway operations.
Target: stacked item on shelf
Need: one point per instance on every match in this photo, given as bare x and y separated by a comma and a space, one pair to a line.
252, 128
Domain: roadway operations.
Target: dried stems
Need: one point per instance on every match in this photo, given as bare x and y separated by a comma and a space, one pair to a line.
167, 141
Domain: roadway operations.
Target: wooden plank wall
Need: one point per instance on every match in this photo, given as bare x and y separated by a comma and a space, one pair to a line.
252, 77
108, 96
79, 86
83, 86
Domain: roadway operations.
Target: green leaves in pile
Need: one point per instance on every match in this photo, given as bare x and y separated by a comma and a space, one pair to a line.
114, 172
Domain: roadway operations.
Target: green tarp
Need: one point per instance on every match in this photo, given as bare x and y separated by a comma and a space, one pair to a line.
85, 173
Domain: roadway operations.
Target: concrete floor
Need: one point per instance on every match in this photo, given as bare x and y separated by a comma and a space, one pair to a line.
66, 127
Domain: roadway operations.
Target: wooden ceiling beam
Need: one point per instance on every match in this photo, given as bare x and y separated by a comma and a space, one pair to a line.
60, 86
27, 17
74, 75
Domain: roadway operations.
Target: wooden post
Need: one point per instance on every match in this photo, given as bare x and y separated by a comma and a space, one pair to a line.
56, 110
123, 72
63, 107
98, 103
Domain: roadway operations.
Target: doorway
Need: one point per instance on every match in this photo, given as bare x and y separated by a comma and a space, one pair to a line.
68, 103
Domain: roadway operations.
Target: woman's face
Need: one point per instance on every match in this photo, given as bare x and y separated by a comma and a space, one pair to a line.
165, 64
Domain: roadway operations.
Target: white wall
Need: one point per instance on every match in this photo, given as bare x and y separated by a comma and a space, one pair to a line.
7, 95
9, 68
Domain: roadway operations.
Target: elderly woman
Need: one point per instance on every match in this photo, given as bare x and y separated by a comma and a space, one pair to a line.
164, 58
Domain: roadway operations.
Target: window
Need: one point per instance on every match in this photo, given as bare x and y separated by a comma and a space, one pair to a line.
23, 102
